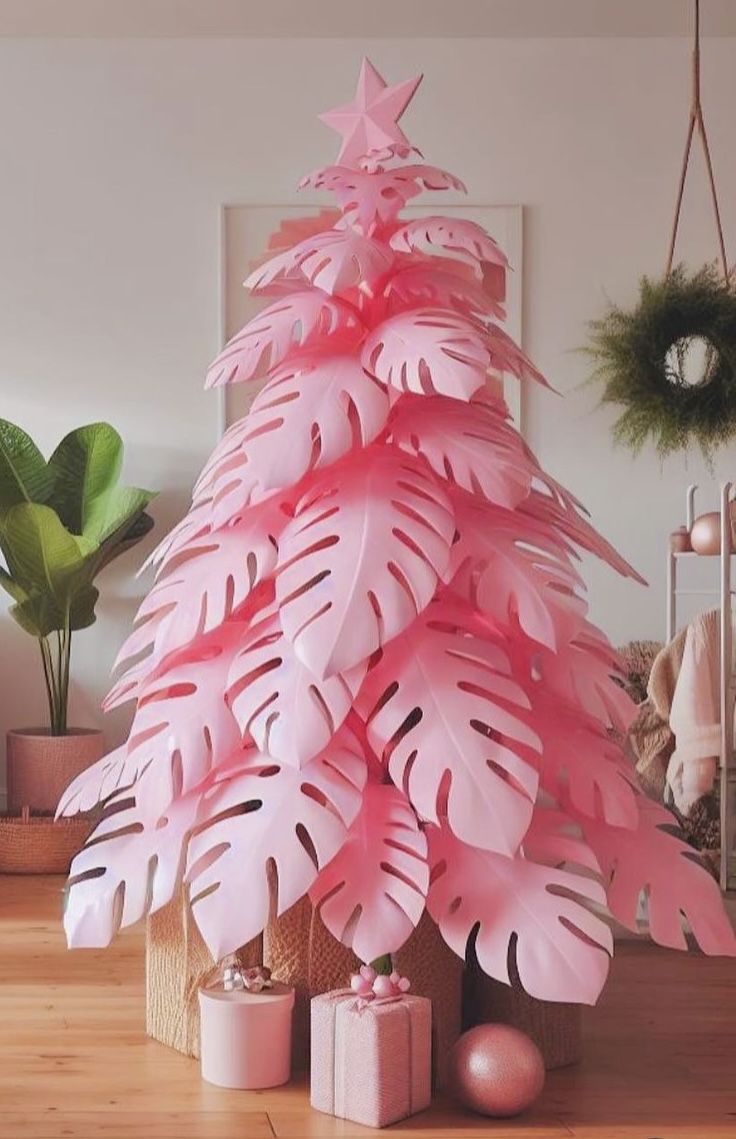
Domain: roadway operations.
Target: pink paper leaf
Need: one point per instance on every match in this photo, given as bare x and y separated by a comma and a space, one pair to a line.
371, 895
311, 413
453, 726
301, 321
582, 673
555, 839
582, 766
535, 915
295, 819
429, 286
290, 713
183, 726
470, 445
196, 523
131, 866
371, 198
93, 785
515, 572
654, 861
361, 558
434, 351
334, 261
455, 234
199, 591
561, 512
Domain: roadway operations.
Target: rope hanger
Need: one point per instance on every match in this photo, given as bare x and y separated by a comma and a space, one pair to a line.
696, 121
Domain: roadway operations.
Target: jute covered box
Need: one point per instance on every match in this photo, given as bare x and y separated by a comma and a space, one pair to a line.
371, 1061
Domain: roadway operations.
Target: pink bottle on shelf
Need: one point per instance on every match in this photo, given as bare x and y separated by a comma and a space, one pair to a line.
246, 1037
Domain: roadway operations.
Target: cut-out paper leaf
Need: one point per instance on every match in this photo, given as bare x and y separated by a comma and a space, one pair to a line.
435, 351
211, 578
361, 557
369, 198
457, 235
293, 819
371, 895
311, 413
470, 445
290, 713
536, 915
429, 286
453, 726
515, 571
655, 862
294, 323
182, 723
131, 866
335, 261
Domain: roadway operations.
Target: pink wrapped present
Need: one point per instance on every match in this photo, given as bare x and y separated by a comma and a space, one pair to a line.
371, 1059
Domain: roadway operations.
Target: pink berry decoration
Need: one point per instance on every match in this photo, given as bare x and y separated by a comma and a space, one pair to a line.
365, 657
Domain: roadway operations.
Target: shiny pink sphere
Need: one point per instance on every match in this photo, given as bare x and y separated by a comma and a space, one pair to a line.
497, 1070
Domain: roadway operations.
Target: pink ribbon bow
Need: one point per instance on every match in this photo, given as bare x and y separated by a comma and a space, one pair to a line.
370, 986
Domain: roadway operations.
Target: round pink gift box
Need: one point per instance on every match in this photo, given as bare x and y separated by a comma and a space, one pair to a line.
246, 1037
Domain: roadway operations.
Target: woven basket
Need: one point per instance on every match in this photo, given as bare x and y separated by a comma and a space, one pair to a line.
555, 1028
36, 844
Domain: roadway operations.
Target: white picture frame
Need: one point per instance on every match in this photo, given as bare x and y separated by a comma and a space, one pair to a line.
245, 230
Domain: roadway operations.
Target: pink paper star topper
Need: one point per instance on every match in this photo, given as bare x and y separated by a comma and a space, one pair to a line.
370, 121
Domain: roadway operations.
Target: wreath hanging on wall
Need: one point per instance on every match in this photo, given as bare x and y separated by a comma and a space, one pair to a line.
641, 357
642, 354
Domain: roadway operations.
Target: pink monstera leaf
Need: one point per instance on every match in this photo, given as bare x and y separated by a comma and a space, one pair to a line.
132, 865
182, 726
94, 785
453, 726
582, 766
361, 557
371, 896
211, 578
515, 571
561, 512
470, 445
311, 413
196, 523
532, 920
453, 287
335, 261
654, 862
295, 323
294, 820
584, 673
290, 713
370, 198
436, 351
457, 235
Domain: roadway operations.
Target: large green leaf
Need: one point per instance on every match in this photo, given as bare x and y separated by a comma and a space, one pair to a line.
84, 468
111, 515
24, 474
40, 553
39, 615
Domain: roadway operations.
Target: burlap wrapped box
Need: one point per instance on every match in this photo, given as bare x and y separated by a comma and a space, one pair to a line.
371, 1062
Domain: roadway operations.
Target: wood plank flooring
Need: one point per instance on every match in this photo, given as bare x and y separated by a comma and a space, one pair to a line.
660, 1058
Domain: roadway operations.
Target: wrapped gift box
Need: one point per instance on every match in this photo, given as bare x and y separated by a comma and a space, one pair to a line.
371, 1060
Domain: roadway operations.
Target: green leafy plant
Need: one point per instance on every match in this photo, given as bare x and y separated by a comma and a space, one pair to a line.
61, 522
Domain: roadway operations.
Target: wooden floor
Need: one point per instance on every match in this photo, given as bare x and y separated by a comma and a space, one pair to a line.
74, 1062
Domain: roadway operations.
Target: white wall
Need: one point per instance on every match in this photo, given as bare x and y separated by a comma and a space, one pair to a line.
116, 156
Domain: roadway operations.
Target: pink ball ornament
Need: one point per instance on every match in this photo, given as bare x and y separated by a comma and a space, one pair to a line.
496, 1070
383, 986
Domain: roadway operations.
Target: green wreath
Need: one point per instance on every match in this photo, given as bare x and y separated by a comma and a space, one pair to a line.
640, 356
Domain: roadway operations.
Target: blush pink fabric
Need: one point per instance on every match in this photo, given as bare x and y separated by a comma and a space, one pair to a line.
371, 1062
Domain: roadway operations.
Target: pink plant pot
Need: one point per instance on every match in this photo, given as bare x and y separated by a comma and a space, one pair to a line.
41, 766
246, 1037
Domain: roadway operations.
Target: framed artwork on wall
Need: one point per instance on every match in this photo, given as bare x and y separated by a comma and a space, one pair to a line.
246, 229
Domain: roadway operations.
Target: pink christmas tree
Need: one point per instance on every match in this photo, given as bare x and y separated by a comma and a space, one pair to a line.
365, 662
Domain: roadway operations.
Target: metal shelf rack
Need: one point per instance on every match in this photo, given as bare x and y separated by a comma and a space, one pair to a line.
727, 685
